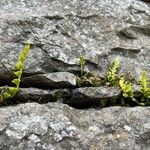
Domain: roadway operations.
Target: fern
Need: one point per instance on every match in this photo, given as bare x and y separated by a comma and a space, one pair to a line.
90, 79
126, 88
112, 73
82, 61
11, 92
144, 89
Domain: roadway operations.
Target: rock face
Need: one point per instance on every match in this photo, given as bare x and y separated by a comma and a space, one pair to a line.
42, 96
84, 97
60, 30
94, 96
51, 80
56, 127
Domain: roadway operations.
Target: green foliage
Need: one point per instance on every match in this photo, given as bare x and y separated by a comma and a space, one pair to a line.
82, 61
112, 73
11, 92
90, 79
56, 96
145, 90
87, 79
126, 88
20, 65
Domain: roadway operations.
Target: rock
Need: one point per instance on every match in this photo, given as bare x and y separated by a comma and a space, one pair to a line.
89, 96
57, 126
136, 89
25, 126
37, 95
60, 30
50, 80
147, 1
41, 95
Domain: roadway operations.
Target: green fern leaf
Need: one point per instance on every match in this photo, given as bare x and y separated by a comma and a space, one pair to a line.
19, 65
144, 89
112, 73
22, 58
16, 81
126, 88
6, 95
13, 89
18, 73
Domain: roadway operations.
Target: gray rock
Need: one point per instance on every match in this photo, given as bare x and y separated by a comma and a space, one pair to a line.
51, 80
136, 89
60, 30
57, 126
37, 95
41, 95
94, 96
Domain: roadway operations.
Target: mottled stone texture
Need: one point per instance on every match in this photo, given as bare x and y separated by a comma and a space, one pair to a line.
51, 80
60, 30
88, 96
59, 127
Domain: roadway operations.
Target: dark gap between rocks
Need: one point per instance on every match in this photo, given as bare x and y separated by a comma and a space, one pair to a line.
79, 98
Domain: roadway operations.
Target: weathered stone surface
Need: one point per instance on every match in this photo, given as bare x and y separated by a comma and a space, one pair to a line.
61, 30
78, 97
41, 95
94, 95
51, 80
57, 126
136, 89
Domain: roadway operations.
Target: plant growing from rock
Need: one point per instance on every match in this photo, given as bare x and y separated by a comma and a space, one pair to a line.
87, 79
82, 61
144, 89
127, 90
90, 79
11, 92
112, 73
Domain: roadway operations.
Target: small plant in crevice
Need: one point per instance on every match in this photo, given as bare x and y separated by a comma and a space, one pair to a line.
90, 79
112, 77
11, 92
144, 89
87, 79
82, 61
127, 90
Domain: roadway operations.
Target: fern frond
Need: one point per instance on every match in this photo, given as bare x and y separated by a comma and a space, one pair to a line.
144, 89
11, 92
126, 88
82, 61
20, 66
112, 73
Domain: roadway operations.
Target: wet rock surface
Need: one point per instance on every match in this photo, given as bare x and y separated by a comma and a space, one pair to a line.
57, 126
